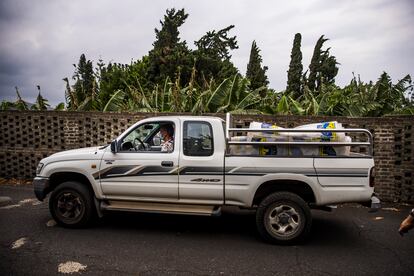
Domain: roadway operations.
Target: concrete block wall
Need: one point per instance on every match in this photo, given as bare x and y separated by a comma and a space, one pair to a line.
28, 136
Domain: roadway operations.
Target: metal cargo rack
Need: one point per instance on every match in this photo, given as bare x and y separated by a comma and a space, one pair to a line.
368, 144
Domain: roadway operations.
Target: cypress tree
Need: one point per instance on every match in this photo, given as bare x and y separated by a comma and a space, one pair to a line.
315, 65
323, 66
295, 69
255, 72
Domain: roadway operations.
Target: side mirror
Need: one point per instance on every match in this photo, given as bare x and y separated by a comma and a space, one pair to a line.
114, 147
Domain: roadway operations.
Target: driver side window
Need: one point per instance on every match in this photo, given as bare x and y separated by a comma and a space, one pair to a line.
145, 138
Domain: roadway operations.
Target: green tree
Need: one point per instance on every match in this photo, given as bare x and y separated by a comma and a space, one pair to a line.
60, 107
70, 97
20, 104
218, 44
315, 64
323, 66
328, 69
84, 76
213, 55
85, 83
294, 79
169, 52
391, 97
112, 78
41, 103
255, 72
231, 95
6, 105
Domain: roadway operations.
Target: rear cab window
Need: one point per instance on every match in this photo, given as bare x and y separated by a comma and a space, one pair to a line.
198, 138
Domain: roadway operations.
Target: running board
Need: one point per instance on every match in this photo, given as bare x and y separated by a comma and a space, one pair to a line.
147, 207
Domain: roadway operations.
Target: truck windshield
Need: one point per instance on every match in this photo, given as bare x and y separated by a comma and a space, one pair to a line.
142, 132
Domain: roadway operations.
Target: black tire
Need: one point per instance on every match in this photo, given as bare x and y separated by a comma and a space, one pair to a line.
283, 218
71, 205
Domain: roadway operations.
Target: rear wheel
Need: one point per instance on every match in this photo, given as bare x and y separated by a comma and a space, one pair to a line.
283, 218
71, 205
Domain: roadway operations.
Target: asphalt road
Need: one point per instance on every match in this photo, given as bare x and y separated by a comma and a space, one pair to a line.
349, 241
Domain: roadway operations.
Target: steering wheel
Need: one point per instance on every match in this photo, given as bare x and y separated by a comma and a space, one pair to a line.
140, 142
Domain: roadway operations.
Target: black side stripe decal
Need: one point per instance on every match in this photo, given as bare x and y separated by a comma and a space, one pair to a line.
342, 175
127, 171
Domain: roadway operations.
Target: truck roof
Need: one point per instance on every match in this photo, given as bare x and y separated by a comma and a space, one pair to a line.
185, 117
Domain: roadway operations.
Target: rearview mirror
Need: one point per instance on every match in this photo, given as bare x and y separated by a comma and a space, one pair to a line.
114, 146
156, 141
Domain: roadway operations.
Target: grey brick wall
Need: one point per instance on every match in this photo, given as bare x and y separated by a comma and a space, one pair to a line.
27, 137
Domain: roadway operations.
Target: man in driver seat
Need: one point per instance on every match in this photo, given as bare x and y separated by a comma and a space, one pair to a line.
167, 134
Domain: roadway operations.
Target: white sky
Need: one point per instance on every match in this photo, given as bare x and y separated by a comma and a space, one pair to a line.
40, 40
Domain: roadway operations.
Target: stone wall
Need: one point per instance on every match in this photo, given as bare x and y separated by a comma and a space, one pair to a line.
27, 137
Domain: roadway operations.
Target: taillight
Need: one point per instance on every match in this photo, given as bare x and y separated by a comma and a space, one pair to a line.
372, 177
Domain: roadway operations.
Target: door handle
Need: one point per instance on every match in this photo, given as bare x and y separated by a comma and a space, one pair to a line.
167, 163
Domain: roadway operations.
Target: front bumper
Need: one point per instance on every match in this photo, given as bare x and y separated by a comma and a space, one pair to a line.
41, 187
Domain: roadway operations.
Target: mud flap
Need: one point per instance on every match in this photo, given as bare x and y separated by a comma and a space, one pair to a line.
98, 207
375, 204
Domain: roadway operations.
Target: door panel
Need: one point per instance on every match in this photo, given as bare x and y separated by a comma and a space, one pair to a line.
201, 177
139, 175
138, 171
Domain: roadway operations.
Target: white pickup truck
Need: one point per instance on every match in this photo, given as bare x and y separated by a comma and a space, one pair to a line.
200, 174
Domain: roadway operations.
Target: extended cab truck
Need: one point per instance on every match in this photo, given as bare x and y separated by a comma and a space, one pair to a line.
200, 175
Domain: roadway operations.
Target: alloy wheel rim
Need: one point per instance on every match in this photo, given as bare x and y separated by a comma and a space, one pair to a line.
283, 220
69, 206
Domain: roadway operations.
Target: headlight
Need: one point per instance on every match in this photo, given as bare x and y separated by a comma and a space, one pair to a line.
39, 168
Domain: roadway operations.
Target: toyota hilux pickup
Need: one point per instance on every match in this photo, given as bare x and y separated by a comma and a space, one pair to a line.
274, 171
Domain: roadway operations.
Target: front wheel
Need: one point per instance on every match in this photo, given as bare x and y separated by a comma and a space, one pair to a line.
71, 205
283, 218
